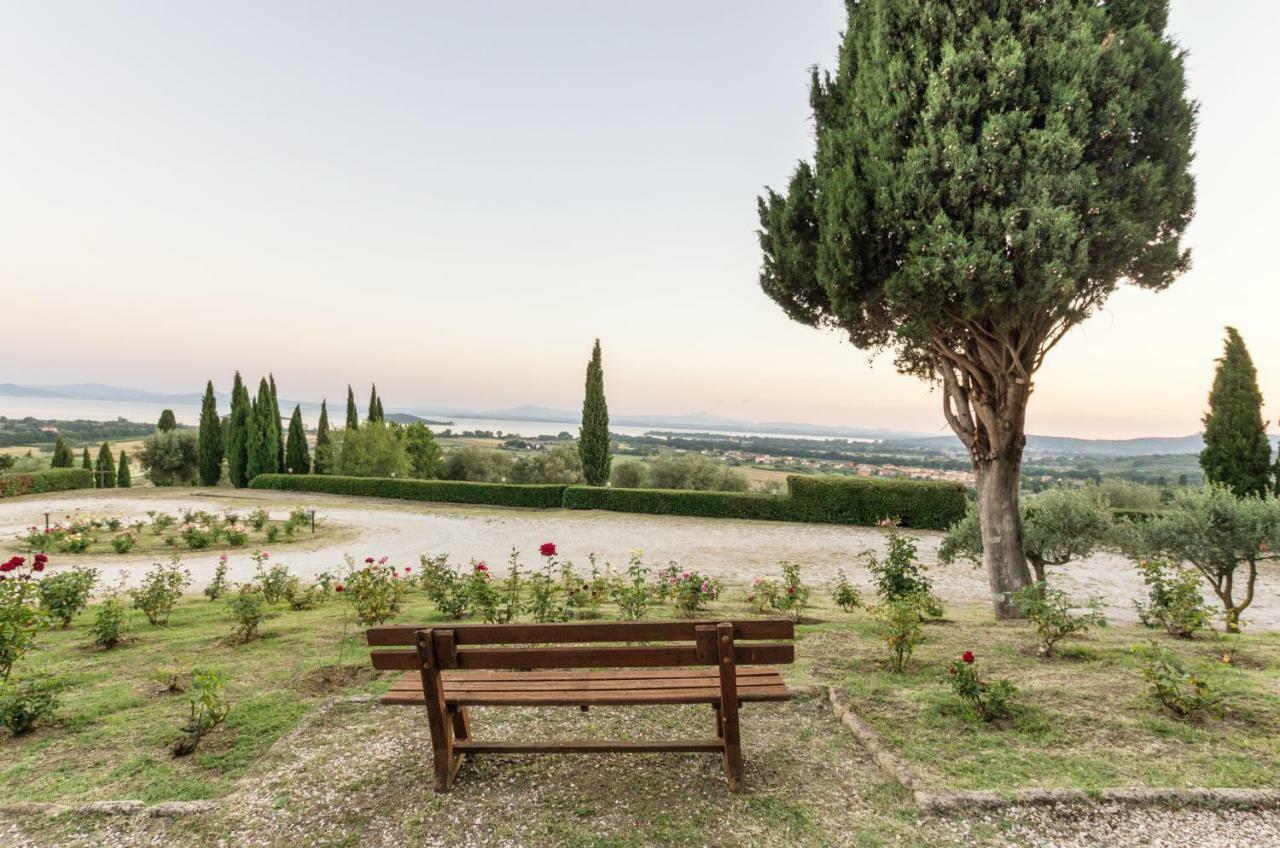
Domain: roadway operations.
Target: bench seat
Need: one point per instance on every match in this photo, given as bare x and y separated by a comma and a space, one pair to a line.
696, 685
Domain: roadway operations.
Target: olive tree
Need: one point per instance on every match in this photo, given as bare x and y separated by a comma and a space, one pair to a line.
986, 174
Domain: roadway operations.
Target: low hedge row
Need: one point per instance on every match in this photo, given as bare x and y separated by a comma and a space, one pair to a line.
443, 491
38, 482
830, 500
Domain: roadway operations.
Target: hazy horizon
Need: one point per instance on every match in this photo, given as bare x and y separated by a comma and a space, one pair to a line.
454, 200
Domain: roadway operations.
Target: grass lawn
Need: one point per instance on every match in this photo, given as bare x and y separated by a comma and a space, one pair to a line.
1086, 721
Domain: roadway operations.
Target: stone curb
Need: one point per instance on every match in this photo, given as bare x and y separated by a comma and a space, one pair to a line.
164, 809
949, 801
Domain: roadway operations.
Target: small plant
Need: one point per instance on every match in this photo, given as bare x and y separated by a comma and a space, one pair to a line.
273, 534
692, 592
544, 592
160, 522
160, 589
764, 595
258, 519
482, 596
374, 591
302, 596
111, 622
274, 581
124, 542
509, 604
633, 596
218, 586
1181, 692
66, 594
1174, 599
197, 536
1052, 612
208, 705
846, 596
236, 534
75, 543
793, 597
443, 586
990, 700
21, 615
901, 575
248, 608
26, 702
899, 625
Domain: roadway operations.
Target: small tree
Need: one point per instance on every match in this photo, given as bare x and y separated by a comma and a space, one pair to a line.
1222, 536
353, 417
211, 448
167, 421
375, 450
323, 461
62, 455
171, 458
85, 462
297, 458
124, 477
1237, 452
237, 443
106, 468
593, 439
425, 458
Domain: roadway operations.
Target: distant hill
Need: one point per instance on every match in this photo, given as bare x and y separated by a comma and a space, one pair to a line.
1068, 446
406, 418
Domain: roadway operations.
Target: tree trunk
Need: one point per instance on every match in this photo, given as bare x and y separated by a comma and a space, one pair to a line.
998, 481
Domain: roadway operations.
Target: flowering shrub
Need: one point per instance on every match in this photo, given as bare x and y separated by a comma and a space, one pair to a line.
207, 701
691, 592
482, 596
74, 543
160, 589
26, 702
846, 595
764, 595
582, 598
273, 581
899, 625
258, 519
160, 522
1174, 599
633, 595
248, 610
236, 534
1052, 612
218, 586
443, 586
1182, 692
375, 591
197, 536
21, 616
124, 542
110, 623
63, 595
901, 575
988, 699
303, 596
789, 595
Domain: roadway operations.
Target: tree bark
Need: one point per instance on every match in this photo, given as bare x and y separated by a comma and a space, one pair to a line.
998, 481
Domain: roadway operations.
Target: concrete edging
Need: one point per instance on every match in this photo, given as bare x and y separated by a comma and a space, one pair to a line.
954, 800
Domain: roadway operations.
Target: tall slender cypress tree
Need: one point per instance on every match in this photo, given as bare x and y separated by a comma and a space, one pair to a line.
85, 462
373, 404
381, 416
124, 478
238, 435
275, 407
209, 446
297, 460
62, 456
1236, 452
322, 462
593, 441
106, 468
353, 417
263, 441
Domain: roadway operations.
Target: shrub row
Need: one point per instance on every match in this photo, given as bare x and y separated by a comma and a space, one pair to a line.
443, 491
37, 482
831, 500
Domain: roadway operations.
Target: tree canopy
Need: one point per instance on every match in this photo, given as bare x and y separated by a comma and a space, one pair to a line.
1237, 452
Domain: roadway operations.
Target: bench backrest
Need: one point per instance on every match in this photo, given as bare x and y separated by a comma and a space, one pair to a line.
583, 644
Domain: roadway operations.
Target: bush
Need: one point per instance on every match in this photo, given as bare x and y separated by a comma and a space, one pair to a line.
899, 625
248, 610
672, 502
988, 699
302, 596
375, 592
628, 474
26, 702
1051, 611
693, 471
218, 585
690, 592
440, 491
633, 596
1180, 691
443, 586
171, 458
846, 595
868, 501
1174, 599
789, 595
49, 480
901, 575
63, 595
160, 590
111, 623
476, 465
273, 581
375, 450
561, 464
207, 702
124, 542
21, 616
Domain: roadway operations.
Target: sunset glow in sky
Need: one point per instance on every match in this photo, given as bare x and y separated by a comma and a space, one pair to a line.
454, 199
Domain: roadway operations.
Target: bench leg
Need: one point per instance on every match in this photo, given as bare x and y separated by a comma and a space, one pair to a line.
461, 723
719, 723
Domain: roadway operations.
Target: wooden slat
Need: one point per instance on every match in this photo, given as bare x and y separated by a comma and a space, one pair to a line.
600, 656
585, 631
710, 673
587, 747
698, 695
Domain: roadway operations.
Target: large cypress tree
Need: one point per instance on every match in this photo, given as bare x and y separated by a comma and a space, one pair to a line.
353, 417
167, 421
275, 407
1236, 452
263, 440
381, 416
85, 462
62, 456
124, 478
209, 445
375, 409
297, 460
323, 461
593, 439
105, 470
238, 423
986, 175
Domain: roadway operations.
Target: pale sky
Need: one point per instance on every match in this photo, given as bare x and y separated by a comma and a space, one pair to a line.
455, 198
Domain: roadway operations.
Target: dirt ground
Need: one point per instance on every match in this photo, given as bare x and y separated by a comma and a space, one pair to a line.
734, 550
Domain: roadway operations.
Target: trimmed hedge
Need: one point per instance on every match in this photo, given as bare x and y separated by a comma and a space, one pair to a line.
443, 491
921, 505
38, 482
828, 500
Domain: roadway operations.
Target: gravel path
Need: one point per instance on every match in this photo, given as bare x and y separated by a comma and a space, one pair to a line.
734, 550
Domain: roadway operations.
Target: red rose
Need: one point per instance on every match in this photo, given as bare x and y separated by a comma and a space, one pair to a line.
41, 558
339, 588
967, 656
407, 569
369, 560
548, 549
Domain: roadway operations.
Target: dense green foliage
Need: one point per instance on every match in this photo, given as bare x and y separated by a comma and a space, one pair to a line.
323, 461
85, 462
238, 434
264, 438
167, 421
211, 448
865, 500
276, 420
171, 458
124, 475
62, 455
105, 468
689, 471
985, 176
425, 459
747, 505
375, 450
1236, 452
15, 432
297, 459
443, 491
560, 464
39, 482
375, 405
353, 417
593, 441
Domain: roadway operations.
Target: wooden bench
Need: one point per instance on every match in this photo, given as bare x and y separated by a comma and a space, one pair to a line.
452, 667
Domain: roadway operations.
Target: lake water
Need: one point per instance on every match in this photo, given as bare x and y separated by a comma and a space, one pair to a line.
100, 410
